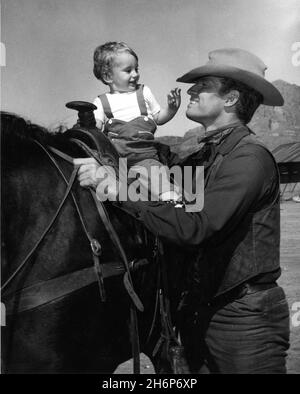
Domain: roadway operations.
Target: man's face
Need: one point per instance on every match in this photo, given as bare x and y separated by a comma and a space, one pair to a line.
206, 105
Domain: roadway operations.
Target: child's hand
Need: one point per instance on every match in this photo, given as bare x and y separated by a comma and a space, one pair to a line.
167, 113
174, 99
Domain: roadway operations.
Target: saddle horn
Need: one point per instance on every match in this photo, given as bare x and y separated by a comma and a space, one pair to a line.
85, 134
86, 118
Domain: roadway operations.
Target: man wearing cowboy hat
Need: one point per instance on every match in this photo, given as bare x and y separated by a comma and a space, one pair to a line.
236, 318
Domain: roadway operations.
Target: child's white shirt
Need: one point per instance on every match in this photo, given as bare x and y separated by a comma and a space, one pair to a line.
124, 106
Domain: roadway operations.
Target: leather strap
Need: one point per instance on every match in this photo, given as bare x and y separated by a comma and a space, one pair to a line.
47, 291
114, 237
168, 337
116, 241
92, 154
42, 237
95, 245
135, 339
239, 292
30, 300
136, 302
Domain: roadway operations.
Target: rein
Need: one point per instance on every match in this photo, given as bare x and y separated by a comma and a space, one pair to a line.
26, 259
127, 280
106, 221
31, 298
168, 340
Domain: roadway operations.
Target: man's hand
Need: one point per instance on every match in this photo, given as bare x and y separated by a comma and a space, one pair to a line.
87, 173
101, 178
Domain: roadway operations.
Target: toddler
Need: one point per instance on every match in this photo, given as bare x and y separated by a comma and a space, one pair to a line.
129, 113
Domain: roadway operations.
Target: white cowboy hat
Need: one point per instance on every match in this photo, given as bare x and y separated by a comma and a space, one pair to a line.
241, 66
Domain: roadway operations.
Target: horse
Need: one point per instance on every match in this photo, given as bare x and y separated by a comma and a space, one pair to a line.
60, 317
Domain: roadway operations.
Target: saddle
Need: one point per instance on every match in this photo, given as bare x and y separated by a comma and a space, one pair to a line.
85, 134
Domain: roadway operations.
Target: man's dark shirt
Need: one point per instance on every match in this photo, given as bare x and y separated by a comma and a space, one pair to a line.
242, 184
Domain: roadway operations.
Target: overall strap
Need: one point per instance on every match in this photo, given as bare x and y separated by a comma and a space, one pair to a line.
106, 106
141, 101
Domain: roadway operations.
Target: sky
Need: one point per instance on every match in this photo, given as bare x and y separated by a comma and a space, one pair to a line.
50, 43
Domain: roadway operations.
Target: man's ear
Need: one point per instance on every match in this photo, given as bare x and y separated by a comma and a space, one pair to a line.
232, 98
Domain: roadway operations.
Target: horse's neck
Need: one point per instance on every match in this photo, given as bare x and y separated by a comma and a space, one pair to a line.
32, 193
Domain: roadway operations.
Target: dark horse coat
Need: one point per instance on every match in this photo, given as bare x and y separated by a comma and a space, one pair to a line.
74, 332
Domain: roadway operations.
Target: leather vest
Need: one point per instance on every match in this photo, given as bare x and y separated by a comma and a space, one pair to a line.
252, 248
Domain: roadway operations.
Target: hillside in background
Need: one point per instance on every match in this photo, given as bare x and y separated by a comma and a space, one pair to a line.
279, 125
186, 145
273, 125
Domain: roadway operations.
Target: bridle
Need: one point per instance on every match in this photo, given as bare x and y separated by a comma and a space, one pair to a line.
101, 270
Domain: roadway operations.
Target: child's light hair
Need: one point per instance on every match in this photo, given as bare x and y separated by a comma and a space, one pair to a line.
104, 56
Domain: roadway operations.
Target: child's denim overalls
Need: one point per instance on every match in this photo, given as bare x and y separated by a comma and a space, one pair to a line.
134, 139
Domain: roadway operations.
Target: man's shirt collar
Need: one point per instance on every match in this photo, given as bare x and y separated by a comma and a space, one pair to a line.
217, 135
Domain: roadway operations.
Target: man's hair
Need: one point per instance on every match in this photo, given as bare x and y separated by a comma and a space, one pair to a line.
249, 99
104, 56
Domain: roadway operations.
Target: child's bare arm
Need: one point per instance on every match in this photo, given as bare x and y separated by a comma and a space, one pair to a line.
166, 114
99, 124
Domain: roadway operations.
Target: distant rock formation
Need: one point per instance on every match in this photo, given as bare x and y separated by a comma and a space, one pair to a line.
186, 145
279, 125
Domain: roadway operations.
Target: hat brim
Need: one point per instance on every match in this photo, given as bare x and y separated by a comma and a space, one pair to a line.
271, 95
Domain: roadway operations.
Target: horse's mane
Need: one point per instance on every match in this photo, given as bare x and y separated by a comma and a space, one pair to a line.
18, 135
14, 127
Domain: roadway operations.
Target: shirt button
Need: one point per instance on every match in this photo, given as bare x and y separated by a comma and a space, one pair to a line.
110, 121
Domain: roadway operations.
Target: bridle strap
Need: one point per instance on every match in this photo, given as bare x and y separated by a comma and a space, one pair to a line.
127, 280
26, 259
70, 160
92, 154
168, 335
94, 243
116, 241
96, 247
47, 291
57, 152
128, 283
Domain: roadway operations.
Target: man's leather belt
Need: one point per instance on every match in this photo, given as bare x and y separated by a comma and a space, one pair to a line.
240, 291
255, 287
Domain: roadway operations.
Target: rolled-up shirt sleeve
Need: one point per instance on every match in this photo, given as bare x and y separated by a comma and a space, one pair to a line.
151, 101
99, 113
240, 184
